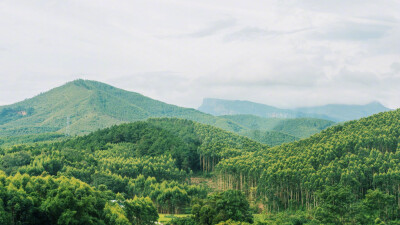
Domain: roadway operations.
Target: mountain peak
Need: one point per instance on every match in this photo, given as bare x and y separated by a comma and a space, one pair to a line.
89, 84
87, 105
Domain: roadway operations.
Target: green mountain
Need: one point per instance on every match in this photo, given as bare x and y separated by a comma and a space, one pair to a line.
337, 113
299, 127
82, 106
275, 131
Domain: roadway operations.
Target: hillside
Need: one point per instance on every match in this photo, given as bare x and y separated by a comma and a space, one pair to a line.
270, 138
353, 163
299, 127
334, 112
152, 159
82, 106
338, 112
276, 131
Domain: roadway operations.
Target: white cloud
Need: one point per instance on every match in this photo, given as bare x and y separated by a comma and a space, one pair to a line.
279, 52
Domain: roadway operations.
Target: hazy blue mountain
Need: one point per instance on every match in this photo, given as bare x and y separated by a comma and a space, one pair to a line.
339, 112
334, 112
220, 107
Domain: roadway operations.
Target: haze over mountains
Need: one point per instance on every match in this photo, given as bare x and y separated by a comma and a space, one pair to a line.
334, 112
82, 106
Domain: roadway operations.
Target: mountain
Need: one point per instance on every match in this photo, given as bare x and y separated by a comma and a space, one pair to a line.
341, 113
82, 106
220, 107
276, 131
334, 112
298, 127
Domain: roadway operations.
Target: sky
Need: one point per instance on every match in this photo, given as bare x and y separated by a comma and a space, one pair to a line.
283, 53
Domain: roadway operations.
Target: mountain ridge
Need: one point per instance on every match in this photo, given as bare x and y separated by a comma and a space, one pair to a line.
91, 105
334, 112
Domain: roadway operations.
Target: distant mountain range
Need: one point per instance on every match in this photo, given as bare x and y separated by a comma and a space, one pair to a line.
82, 106
334, 112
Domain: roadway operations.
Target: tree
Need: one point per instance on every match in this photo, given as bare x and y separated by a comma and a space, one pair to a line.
140, 211
222, 206
335, 206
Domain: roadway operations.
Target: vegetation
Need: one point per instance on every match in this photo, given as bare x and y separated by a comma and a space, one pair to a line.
276, 131
28, 199
346, 162
271, 138
135, 170
222, 206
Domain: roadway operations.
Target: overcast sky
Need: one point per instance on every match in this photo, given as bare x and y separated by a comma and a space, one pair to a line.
282, 53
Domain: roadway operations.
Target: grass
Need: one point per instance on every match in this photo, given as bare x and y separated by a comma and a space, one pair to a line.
164, 218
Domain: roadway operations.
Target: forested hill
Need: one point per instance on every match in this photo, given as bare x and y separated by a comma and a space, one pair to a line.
143, 166
351, 163
334, 112
82, 106
298, 127
194, 146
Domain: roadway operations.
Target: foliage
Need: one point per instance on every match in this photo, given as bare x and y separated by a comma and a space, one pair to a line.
270, 138
182, 221
28, 199
222, 206
359, 156
140, 211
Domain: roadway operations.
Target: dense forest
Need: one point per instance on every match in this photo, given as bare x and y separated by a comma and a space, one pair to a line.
128, 173
276, 131
147, 162
347, 174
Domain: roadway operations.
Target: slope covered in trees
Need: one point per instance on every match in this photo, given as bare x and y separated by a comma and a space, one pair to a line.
38, 200
275, 131
270, 138
127, 163
357, 161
